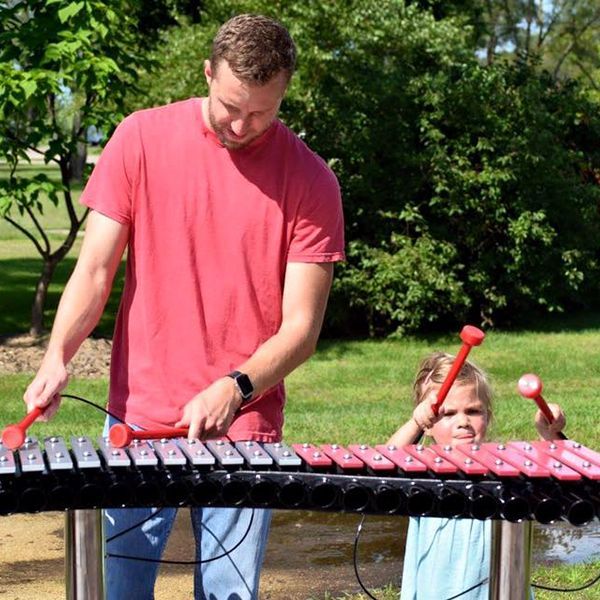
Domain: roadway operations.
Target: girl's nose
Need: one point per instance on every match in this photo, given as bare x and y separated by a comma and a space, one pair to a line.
463, 420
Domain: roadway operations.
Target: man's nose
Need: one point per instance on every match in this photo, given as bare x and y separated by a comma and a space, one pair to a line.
239, 126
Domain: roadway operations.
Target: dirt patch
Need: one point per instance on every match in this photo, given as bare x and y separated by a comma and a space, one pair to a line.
24, 353
308, 555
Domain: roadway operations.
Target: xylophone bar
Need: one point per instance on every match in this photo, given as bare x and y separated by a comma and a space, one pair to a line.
518, 481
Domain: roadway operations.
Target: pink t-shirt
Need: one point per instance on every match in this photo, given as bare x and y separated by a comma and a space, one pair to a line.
211, 233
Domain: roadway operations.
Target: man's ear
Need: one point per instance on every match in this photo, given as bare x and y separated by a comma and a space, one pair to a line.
208, 71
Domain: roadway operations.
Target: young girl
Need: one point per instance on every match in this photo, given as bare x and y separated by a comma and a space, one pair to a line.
445, 557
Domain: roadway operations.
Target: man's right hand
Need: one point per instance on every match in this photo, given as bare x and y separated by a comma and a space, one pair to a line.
44, 390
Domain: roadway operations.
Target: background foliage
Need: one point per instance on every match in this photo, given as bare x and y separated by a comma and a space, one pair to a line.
464, 136
470, 185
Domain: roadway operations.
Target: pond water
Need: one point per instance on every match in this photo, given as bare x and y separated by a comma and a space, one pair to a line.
318, 548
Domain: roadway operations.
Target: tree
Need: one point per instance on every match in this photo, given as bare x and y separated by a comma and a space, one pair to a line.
562, 35
64, 66
470, 190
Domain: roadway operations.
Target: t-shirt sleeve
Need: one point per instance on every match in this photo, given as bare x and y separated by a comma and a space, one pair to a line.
318, 234
110, 187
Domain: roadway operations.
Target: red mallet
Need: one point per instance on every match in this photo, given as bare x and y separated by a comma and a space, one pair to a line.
121, 435
470, 336
14, 435
530, 386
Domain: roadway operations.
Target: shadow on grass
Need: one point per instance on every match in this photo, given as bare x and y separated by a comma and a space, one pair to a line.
18, 278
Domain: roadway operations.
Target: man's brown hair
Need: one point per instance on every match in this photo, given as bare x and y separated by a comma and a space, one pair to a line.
256, 49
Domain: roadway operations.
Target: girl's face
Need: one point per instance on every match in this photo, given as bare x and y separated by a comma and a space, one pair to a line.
463, 417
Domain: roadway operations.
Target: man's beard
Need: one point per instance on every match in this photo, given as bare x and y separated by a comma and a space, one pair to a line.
221, 131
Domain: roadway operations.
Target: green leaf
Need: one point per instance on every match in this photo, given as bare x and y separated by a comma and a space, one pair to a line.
65, 13
29, 87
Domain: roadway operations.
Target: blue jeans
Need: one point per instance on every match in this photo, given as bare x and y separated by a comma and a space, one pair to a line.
216, 530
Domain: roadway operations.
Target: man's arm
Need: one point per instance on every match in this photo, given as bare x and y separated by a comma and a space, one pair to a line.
80, 307
306, 289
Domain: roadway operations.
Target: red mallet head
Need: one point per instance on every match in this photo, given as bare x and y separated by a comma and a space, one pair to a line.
13, 437
530, 386
471, 335
120, 435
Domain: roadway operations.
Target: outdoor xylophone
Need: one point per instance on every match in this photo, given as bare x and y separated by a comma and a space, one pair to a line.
543, 481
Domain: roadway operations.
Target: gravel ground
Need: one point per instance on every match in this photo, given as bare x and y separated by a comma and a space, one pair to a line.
23, 354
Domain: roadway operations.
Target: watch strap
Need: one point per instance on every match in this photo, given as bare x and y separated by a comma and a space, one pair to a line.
243, 385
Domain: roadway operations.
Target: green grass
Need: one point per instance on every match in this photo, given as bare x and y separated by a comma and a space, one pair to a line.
557, 576
359, 391
20, 268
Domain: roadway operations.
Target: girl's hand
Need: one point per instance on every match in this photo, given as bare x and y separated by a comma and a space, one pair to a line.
550, 431
423, 414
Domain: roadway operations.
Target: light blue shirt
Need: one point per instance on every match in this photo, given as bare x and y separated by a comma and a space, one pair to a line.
445, 557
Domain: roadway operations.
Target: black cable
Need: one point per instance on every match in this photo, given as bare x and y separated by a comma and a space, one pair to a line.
97, 406
114, 537
141, 558
577, 589
189, 562
355, 561
468, 590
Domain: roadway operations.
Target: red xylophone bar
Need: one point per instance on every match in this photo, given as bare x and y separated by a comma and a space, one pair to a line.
121, 435
530, 386
14, 435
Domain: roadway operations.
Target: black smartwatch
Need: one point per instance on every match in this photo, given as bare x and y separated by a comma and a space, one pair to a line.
243, 384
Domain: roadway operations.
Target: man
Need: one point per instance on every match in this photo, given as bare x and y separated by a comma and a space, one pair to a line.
232, 226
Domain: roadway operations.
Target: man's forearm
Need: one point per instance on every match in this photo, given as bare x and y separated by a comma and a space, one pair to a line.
280, 355
79, 311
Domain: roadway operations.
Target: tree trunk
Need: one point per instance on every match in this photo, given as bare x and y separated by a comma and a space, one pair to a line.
79, 158
41, 293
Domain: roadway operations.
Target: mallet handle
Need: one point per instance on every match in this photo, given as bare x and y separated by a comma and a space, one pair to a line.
121, 435
543, 406
471, 336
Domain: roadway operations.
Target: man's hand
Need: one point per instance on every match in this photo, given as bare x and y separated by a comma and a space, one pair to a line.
44, 390
210, 413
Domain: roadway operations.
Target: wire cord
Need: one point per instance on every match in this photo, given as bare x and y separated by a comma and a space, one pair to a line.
188, 562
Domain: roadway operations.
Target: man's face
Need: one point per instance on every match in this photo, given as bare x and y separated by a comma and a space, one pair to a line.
237, 112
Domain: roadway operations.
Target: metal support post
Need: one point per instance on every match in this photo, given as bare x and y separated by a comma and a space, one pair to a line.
510, 568
84, 555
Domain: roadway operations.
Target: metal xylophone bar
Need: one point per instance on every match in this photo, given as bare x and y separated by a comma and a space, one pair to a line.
543, 481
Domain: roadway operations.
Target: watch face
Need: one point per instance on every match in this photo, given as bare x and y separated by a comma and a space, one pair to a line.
244, 385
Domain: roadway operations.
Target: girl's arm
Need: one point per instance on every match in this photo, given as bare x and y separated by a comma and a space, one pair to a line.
550, 431
422, 419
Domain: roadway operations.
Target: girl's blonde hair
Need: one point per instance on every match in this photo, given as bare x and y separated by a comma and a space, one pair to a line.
433, 370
